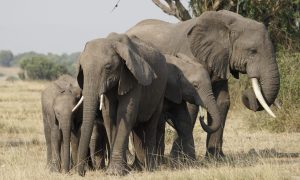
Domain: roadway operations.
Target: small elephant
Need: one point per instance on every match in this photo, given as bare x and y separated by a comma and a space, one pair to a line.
58, 100
127, 78
188, 83
62, 124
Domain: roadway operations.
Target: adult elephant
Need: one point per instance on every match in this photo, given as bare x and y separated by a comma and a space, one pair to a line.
129, 77
225, 43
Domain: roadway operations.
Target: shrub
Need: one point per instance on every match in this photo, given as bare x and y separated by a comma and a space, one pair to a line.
6, 57
41, 68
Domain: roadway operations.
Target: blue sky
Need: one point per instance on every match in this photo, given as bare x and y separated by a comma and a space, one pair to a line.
63, 26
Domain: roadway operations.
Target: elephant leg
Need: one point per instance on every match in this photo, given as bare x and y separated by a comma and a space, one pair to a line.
214, 140
109, 114
184, 127
126, 118
56, 147
145, 140
100, 143
160, 138
117, 165
74, 145
47, 132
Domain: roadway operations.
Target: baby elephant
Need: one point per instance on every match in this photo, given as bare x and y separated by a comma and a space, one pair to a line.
61, 125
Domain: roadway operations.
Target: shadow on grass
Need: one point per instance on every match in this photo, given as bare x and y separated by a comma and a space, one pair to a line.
241, 159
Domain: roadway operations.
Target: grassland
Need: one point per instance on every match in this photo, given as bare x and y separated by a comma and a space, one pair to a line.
250, 154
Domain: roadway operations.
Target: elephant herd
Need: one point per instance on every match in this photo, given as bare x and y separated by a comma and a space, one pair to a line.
156, 72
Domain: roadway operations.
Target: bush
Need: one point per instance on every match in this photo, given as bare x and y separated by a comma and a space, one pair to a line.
289, 95
6, 57
41, 68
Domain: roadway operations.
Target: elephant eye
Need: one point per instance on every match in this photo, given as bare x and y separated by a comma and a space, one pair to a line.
195, 84
253, 51
108, 67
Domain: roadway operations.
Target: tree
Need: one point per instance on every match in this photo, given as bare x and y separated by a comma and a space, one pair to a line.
281, 17
41, 68
6, 57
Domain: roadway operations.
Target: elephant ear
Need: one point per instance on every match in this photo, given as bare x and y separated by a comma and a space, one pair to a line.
173, 89
209, 41
136, 64
127, 81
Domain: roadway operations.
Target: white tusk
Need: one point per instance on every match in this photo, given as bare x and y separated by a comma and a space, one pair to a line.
101, 102
78, 104
201, 111
260, 97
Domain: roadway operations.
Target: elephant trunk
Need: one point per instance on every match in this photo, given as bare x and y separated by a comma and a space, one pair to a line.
89, 115
206, 94
66, 132
269, 81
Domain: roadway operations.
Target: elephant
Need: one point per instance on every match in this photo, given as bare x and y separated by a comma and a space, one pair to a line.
126, 78
62, 126
224, 43
179, 92
58, 100
188, 83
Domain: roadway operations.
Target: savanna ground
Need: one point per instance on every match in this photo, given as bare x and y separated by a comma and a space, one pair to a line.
250, 154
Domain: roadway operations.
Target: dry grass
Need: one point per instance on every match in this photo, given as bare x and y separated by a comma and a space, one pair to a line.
23, 152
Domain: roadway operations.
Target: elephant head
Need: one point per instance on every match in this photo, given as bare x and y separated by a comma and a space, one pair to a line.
229, 43
62, 106
112, 63
190, 81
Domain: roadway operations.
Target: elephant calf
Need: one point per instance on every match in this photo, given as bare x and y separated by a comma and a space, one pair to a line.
61, 125
188, 84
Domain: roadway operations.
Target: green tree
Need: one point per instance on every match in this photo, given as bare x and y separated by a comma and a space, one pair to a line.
6, 57
41, 68
281, 17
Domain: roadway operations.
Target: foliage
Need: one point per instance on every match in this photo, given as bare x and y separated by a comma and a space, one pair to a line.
6, 58
282, 17
289, 96
41, 68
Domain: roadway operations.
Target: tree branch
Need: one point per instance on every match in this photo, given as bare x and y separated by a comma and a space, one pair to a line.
175, 9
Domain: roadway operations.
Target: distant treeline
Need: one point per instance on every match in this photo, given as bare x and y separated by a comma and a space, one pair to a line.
40, 66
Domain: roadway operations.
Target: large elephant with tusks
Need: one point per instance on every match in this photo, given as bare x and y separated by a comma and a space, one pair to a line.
225, 43
127, 79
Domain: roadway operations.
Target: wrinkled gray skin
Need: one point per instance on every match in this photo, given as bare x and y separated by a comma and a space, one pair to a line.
98, 145
188, 83
61, 125
132, 77
58, 100
225, 43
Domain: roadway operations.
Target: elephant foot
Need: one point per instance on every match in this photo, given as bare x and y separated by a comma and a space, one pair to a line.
81, 169
214, 153
117, 169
